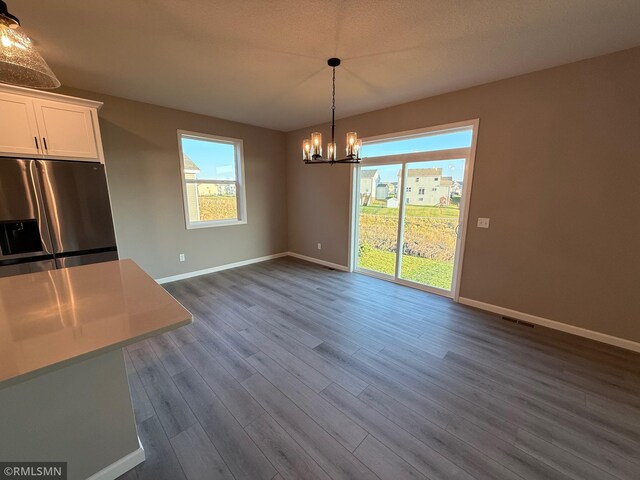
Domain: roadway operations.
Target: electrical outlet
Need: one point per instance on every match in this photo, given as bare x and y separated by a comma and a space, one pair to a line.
319, 246
182, 257
483, 222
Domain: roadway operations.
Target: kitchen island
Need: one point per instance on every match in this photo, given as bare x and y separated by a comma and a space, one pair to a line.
64, 394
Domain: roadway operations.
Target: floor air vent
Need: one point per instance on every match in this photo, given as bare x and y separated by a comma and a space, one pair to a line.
519, 322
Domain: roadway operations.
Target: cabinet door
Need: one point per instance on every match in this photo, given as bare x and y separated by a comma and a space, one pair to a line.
66, 130
18, 127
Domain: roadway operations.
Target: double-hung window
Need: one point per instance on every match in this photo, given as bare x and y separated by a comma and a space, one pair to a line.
212, 170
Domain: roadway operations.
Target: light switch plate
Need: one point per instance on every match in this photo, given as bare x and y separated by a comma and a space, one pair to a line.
483, 222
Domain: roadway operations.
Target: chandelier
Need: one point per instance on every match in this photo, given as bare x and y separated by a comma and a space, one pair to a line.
20, 63
312, 148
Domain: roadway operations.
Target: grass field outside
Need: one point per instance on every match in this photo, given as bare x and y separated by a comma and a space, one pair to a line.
422, 270
412, 211
218, 207
429, 242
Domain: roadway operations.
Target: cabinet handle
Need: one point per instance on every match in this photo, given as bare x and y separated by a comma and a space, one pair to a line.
44, 140
37, 147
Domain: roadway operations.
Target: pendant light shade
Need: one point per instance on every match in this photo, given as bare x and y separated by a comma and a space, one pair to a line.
20, 63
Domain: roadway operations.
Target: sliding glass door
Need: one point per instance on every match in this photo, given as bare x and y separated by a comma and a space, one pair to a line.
378, 220
431, 222
410, 209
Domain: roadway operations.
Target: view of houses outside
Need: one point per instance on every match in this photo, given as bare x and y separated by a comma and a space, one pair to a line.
432, 195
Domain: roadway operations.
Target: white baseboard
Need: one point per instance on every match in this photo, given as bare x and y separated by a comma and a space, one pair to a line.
219, 268
318, 261
545, 322
121, 466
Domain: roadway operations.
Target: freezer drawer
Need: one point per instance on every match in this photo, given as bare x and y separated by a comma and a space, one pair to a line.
75, 260
77, 204
28, 267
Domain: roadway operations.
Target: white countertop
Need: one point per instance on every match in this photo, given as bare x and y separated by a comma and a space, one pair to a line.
48, 319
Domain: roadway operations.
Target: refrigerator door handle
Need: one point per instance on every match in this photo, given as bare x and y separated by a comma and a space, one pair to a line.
43, 222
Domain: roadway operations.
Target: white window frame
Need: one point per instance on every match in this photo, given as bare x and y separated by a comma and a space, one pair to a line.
241, 193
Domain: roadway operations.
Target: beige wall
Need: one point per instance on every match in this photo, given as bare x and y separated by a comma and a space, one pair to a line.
143, 167
557, 171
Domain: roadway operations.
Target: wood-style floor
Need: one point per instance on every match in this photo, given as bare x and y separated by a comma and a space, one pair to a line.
295, 371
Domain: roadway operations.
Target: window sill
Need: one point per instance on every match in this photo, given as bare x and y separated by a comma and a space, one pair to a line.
217, 223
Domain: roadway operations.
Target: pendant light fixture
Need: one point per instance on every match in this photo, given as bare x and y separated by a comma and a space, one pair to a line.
20, 63
312, 148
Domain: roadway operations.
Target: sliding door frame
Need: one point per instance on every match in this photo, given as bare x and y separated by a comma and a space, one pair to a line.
403, 159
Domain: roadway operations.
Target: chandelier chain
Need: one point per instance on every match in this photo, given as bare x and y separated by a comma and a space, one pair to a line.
333, 97
333, 108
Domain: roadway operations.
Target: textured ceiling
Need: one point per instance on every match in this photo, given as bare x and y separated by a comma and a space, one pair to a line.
263, 62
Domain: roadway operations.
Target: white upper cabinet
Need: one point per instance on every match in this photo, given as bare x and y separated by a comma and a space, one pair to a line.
47, 125
66, 130
18, 129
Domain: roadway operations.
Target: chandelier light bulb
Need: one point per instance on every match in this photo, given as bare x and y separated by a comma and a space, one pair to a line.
316, 144
306, 149
351, 140
331, 151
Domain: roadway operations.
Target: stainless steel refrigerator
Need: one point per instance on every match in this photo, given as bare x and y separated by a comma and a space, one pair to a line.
53, 214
